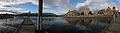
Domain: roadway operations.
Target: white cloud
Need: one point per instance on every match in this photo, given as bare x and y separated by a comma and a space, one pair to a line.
57, 4
13, 2
83, 4
6, 12
1, 6
16, 9
48, 10
4, 5
97, 4
80, 4
10, 10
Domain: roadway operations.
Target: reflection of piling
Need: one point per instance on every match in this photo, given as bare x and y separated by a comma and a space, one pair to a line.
6, 19
114, 10
114, 18
40, 16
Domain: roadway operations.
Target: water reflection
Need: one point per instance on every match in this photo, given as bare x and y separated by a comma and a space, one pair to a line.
74, 25
10, 24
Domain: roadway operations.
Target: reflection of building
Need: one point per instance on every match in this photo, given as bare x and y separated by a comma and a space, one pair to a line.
83, 21
87, 21
84, 11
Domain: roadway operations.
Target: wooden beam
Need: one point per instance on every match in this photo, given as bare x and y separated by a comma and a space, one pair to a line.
39, 26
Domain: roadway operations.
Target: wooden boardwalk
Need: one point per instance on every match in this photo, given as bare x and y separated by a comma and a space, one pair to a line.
114, 26
27, 26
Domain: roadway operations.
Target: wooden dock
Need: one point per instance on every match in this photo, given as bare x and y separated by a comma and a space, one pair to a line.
27, 26
113, 27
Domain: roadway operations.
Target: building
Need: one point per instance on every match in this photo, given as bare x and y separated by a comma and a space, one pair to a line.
72, 13
84, 11
107, 11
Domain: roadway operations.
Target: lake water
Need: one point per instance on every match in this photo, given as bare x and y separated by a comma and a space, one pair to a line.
74, 25
59, 24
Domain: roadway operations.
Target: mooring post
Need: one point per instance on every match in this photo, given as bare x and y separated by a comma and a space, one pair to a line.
39, 20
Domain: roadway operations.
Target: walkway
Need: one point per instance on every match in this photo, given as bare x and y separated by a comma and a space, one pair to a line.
114, 27
27, 26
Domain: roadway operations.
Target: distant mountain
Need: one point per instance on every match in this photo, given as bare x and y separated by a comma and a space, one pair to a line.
36, 14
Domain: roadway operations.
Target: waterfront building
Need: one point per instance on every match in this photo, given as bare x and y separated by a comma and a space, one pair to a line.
107, 11
72, 13
84, 11
95, 13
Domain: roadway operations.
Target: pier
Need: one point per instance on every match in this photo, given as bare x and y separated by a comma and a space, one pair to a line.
27, 26
114, 27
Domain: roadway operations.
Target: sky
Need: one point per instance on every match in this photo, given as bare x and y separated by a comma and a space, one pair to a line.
63, 6
19, 6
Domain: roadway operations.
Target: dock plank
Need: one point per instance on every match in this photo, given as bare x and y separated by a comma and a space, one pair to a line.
26, 27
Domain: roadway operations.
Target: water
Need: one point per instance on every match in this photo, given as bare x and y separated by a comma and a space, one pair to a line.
10, 24
73, 25
59, 24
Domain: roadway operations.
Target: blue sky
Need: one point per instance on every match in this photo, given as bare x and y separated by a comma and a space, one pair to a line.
62, 6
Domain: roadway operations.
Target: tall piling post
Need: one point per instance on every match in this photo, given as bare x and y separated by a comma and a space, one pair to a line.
39, 19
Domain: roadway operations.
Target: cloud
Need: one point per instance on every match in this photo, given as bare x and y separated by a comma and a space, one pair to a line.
57, 4
83, 4
95, 4
48, 10
15, 9
2, 6
118, 0
6, 12
14, 2
9, 9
